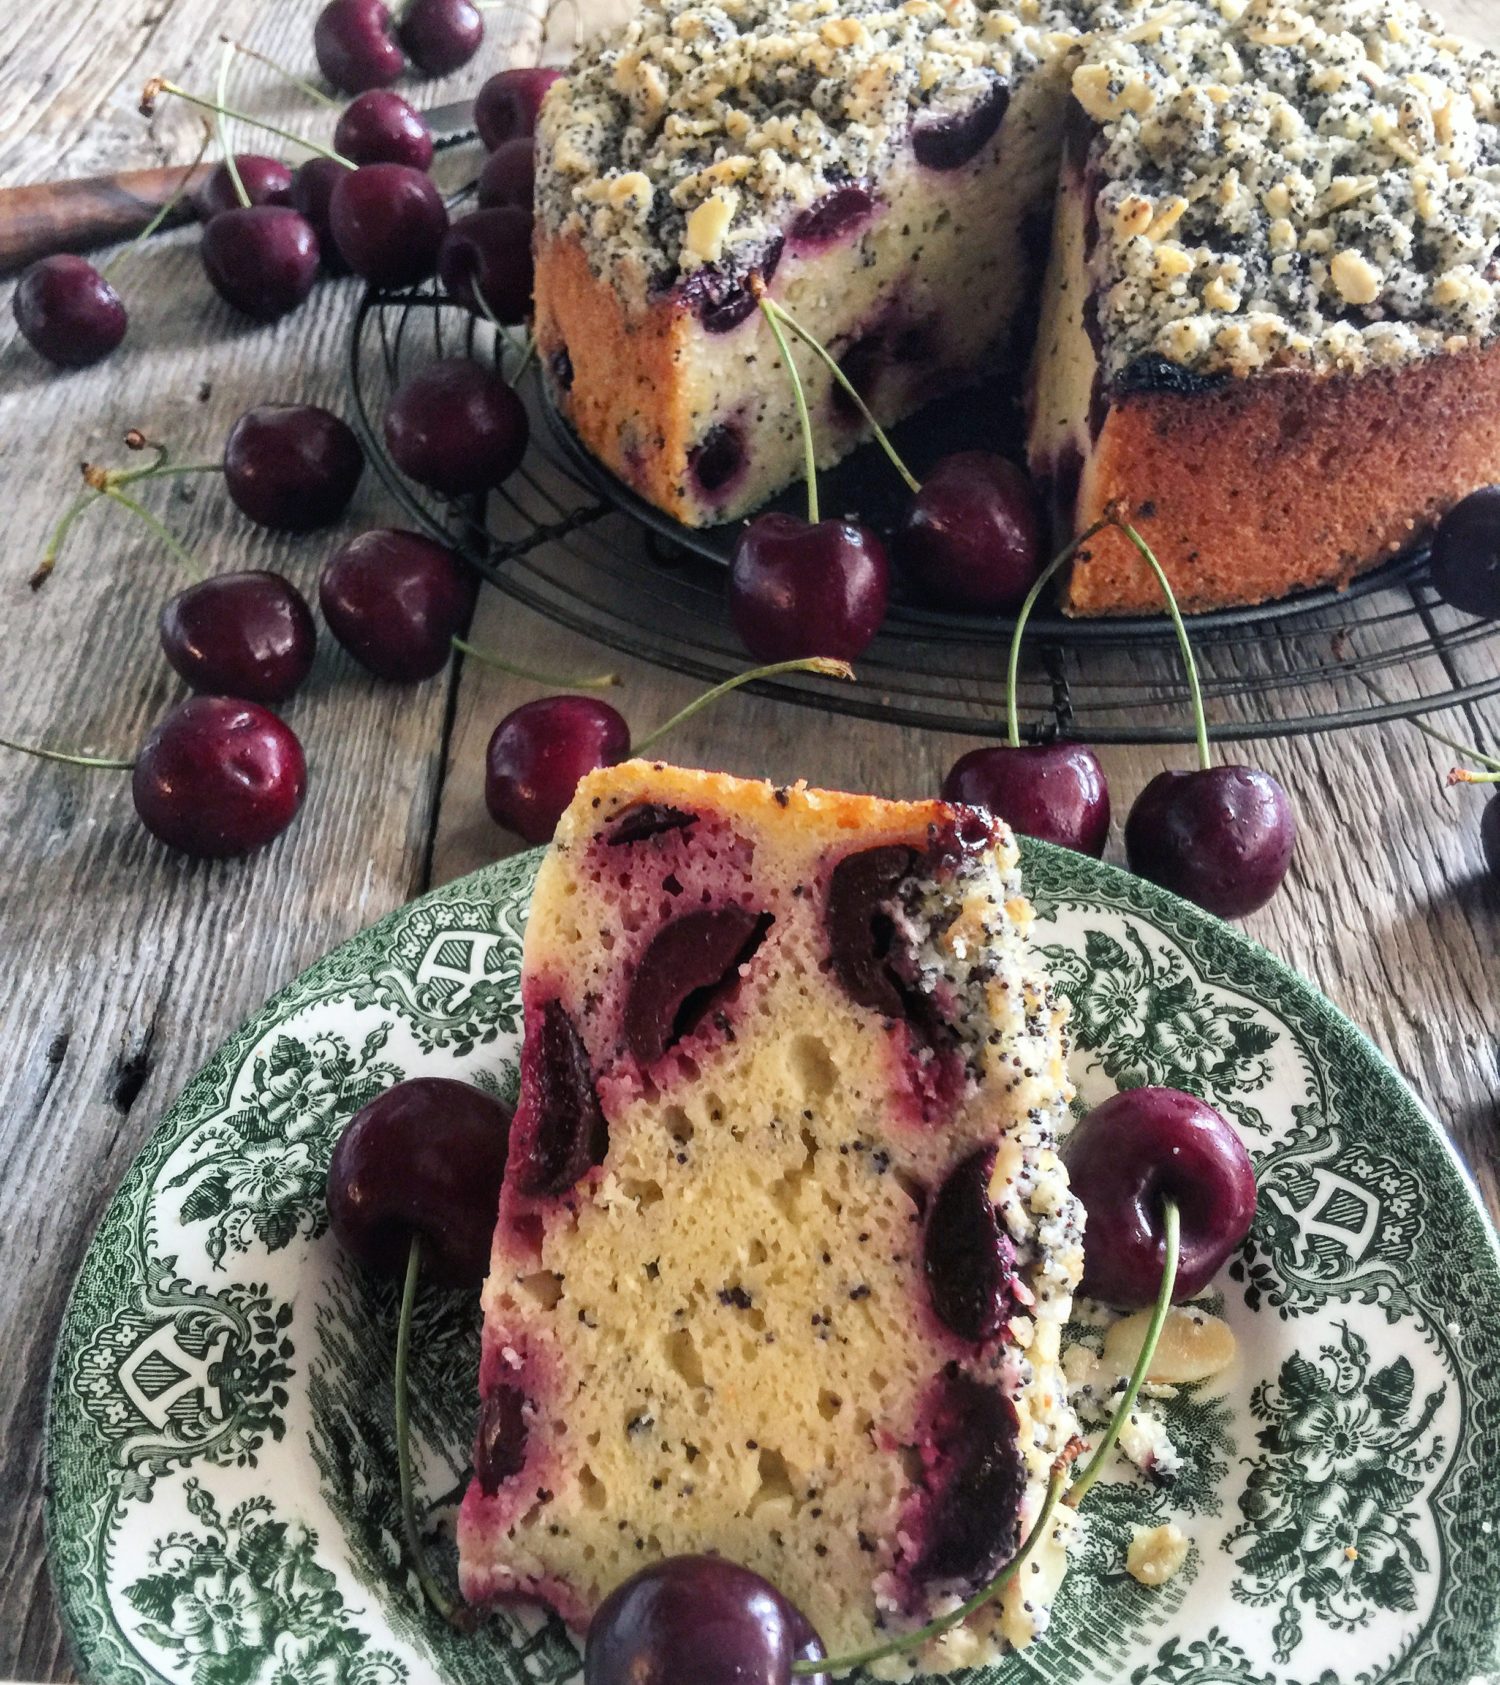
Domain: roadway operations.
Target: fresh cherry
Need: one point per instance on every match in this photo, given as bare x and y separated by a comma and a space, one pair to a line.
1466, 554
1123, 1159
798, 588
68, 312
508, 175
539, 752
292, 467
422, 1161
355, 46
395, 601
1055, 791
1222, 836
698, 1618
262, 259
972, 536
267, 181
249, 635
1489, 836
312, 194
457, 427
388, 221
440, 36
379, 127
219, 777
486, 256
508, 104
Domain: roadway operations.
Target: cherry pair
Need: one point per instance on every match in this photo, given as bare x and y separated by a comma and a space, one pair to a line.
359, 45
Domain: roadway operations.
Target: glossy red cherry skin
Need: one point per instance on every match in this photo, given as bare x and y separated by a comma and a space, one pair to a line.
696, 1618
422, 1161
1055, 791
1123, 1158
457, 427
508, 104
388, 221
68, 312
313, 183
440, 36
355, 45
798, 590
1223, 837
1489, 836
267, 181
292, 467
971, 538
219, 777
487, 254
539, 752
379, 127
395, 601
1466, 554
249, 635
262, 259
508, 175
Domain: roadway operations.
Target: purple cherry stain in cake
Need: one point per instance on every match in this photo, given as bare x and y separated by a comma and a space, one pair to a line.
500, 1438
690, 970
719, 460
949, 140
560, 1133
835, 217
967, 1257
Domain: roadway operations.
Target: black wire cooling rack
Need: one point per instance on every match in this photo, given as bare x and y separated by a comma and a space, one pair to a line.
566, 540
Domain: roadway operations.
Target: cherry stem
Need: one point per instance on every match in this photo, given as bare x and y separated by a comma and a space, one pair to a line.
823, 664
600, 681
231, 163
1462, 775
158, 470
67, 760
183, 556
281, 70
166, 210
1464, 749
1058, 1489
1064, 556
799, 397
821, 351
526, 359
1184, 643
430, 1588
159, 86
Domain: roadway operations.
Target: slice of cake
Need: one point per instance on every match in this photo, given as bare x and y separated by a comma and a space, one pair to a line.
785, 1248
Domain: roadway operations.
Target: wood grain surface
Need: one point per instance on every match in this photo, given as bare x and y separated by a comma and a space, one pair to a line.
122, 968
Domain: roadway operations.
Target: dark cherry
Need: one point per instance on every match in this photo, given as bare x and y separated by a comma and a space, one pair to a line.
395, 601
1055, 791
700, 1619
487, 254
722, 299
240, 634
967, 1256
312, 194
1222, 837
508, 175
508, 104
292, 467
799, 590
262, 259
379, 127
690, 970
440, 36
1466, 554
388, 222
719, 460
355, 46
1489, 836
68, 312
267, 182
832, 218
457, 427
860, 929
538, 753
948, 142
1123, 1159
219, 777
500, 1438
561, 1130
971, 538
422, 1161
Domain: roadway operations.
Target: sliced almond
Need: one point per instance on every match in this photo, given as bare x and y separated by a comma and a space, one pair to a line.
1156, 1553
1194, 1346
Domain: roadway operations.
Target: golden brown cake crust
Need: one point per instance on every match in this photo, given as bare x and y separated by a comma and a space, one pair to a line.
1283, 482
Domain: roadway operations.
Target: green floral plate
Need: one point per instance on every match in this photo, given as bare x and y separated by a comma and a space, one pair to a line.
221, 1468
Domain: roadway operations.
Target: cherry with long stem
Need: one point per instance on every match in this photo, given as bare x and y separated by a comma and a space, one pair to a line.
159, 85
231, 163
799, 399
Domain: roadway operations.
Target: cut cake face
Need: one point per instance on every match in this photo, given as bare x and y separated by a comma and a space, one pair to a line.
785, 1248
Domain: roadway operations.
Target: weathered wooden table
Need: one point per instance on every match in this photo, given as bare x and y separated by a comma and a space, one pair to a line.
122, 967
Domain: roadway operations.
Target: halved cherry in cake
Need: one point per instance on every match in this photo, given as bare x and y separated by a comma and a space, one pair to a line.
563, 1134
690, 969
649, 819
967, 1256
834, 217
500, 1438
860, 929
719, 460
721, 298
946, 141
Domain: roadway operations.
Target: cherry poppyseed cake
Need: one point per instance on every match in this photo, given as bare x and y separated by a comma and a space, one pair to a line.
785, 1248
1268, 324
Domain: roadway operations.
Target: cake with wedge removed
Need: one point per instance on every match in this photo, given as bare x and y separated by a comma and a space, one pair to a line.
785, 1248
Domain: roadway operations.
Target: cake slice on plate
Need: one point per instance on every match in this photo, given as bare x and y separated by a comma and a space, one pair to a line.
785, 1248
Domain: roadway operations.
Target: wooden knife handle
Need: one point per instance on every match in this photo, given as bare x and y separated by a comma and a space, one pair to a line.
76, 216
